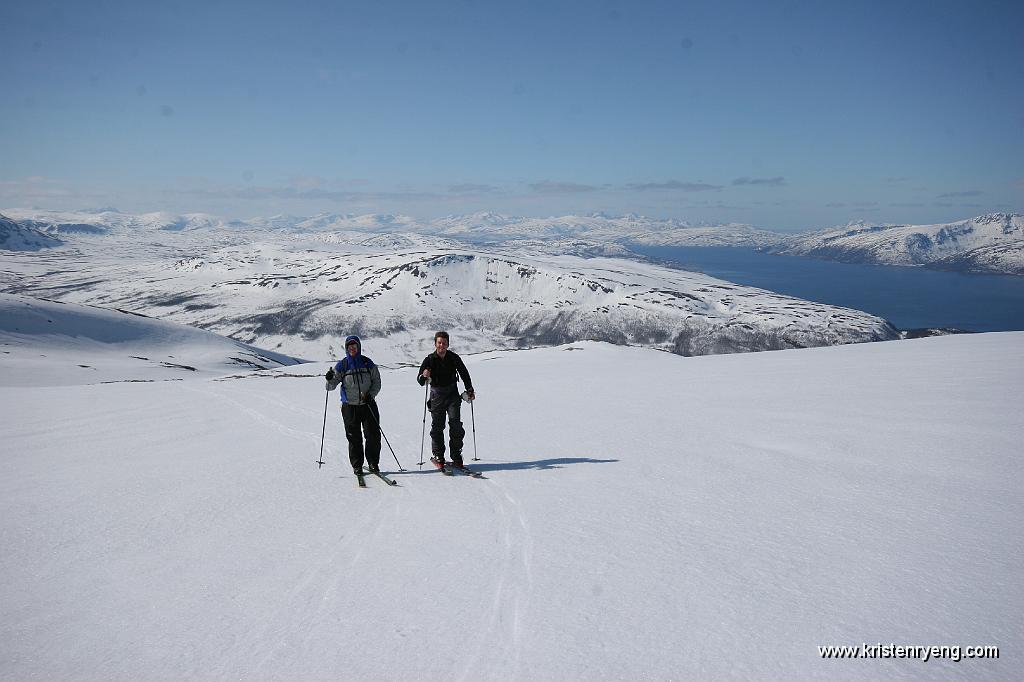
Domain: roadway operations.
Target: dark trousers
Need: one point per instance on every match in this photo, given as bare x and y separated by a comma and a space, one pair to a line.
365, 418
445, 401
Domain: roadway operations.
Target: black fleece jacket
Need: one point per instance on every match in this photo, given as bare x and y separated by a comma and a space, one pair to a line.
443, 370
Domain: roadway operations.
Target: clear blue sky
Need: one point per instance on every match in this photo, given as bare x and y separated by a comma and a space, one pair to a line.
784, 115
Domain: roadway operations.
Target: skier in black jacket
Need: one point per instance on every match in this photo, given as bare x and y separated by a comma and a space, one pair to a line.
443, 368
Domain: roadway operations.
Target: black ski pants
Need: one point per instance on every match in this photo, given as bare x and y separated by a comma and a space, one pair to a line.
365, 418
445, 401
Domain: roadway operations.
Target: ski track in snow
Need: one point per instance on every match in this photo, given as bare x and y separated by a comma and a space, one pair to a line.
263, 417
510, 580
513, 580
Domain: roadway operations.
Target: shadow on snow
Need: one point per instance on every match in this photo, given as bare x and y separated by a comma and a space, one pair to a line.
483, 466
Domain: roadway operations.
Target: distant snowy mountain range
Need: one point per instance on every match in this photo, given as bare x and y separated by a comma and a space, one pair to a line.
992, 243
299, 291
297, 285
478, 228
109, 221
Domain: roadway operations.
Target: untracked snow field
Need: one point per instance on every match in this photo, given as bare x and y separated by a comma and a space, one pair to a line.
644, 516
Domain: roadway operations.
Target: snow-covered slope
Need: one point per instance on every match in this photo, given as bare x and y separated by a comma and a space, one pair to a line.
47, 343
301, 295
996, 259
16, 237
645, 516
991, 243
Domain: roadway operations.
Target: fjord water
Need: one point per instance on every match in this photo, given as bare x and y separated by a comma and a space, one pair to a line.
910, 298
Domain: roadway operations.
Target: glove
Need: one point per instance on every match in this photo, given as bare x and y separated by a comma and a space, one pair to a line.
330, 374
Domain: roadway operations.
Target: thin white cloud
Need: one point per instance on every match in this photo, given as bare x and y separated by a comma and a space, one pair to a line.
472, 188
675, 185
316, 193
38, 187
550, 187
777, 181
968, 193
307, 182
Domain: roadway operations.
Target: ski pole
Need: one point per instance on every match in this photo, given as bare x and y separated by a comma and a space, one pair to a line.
423, 433
472, 415
327, 396
377, 423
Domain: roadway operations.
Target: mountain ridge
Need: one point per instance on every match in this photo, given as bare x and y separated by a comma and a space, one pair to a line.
992, 243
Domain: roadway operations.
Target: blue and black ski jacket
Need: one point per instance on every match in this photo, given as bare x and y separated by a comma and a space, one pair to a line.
358, 376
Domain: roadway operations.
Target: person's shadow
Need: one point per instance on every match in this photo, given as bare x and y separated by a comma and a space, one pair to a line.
554, 463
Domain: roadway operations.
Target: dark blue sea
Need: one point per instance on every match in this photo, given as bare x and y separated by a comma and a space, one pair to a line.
910, 298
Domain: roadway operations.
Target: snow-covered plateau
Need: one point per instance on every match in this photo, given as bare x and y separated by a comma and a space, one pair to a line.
992, 244
298, 291
644, 515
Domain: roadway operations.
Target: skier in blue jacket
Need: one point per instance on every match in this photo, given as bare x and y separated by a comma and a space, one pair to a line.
360, 384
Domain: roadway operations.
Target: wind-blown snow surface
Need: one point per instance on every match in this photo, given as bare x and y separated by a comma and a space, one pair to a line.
645, 516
